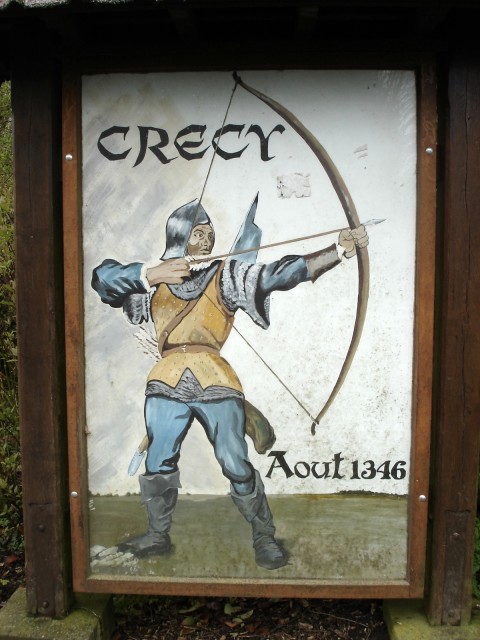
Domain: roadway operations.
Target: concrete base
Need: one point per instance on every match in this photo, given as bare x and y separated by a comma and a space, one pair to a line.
406, 620
90, 619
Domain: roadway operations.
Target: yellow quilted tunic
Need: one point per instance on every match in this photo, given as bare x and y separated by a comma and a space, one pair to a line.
208, 325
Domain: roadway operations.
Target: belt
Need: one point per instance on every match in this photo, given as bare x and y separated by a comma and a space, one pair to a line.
190, 348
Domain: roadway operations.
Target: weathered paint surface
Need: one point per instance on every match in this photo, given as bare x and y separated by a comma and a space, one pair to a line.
354, 538
367, 122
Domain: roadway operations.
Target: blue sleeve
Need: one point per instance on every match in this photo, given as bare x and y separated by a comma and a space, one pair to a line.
114, 282
282, 275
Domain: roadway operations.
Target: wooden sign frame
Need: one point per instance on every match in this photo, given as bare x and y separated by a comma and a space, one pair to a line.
412, 585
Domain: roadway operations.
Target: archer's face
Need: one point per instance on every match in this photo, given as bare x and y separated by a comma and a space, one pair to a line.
201, 240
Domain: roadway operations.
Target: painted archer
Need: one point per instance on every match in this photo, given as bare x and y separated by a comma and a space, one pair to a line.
192, 299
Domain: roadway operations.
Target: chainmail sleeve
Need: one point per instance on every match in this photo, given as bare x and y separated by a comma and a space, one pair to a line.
239, 289
136, 308
248, 286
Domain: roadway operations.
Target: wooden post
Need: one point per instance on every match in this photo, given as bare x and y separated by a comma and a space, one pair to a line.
36, 93
456, 428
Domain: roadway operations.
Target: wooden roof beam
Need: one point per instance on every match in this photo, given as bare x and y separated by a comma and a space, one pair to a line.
430, 17
307, 17
181, 17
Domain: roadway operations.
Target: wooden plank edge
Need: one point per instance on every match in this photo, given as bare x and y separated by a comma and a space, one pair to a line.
74, 338
424, 325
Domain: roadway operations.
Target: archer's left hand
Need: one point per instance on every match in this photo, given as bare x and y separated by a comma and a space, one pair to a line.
350, 239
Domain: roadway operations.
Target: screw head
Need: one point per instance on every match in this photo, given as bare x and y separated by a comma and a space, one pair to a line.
69, 156
429, 151
74, 494
422, 498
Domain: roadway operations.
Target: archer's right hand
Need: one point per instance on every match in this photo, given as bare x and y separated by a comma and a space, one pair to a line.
172, 271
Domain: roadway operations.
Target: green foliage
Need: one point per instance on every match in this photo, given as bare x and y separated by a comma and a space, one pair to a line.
476, 549
10, 481
476, 562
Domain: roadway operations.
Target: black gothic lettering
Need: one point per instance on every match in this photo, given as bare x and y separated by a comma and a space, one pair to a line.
282, 464
326, 472
337, 459
227, 129
191, 144
106, 134
302, 470
255, 128
154, 148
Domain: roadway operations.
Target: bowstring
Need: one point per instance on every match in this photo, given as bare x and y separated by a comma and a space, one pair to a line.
237, 81
284, 385
272, 371
215, 149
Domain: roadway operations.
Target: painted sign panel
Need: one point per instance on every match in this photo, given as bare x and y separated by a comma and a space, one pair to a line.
249, 253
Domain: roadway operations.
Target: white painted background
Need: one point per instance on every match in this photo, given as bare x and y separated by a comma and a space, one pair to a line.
366, 120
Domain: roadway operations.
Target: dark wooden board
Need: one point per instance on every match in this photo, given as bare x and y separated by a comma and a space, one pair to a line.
36, 108
424, 323
457, 401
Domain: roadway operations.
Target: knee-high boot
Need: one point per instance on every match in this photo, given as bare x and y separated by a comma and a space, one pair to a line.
254, 508
159, 493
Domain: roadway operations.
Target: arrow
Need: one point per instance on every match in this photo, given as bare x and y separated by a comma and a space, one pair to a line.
282, 242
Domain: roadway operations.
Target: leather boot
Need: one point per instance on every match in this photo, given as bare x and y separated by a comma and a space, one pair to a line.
269, 554
159, 494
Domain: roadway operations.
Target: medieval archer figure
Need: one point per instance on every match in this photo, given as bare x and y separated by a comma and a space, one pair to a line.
192, 305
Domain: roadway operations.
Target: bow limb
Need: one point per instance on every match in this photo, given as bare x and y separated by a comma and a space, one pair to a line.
353, 220
362, 302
